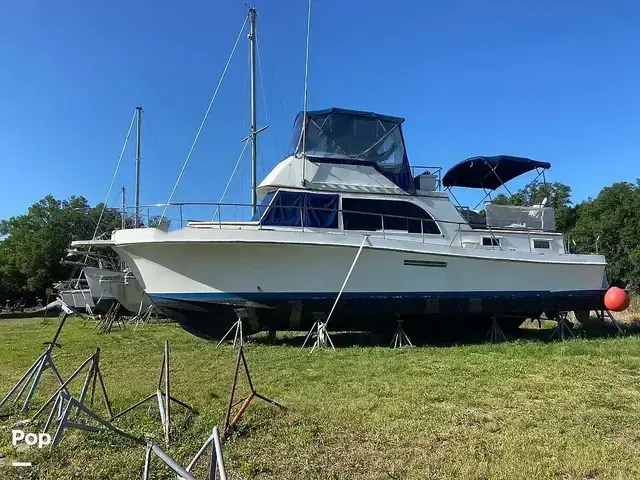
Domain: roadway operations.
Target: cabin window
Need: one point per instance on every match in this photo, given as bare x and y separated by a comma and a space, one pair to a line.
546, 244
368, 214
490, 242
292, 209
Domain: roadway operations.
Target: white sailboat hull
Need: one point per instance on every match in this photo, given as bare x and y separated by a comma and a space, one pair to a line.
122, 288
103, 300
79, 299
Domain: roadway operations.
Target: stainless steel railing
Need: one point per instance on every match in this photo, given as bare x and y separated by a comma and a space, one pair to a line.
223, 219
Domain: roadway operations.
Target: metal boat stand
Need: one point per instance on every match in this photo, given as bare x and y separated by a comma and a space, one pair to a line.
495, 333
563, 327
65, 404
216, 461
230, 423
400, 338
238, 336
216, 464
143, 317
164, 397
62, 395
35, 371
64, 422
604, 314
319, 331
113, 316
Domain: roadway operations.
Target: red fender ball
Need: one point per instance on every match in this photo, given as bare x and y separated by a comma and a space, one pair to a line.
616, 299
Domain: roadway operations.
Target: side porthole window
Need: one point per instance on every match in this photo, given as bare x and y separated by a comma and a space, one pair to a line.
490, 242
545, 244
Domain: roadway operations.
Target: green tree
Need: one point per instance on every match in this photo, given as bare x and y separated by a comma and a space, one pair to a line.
610, 224
34, 243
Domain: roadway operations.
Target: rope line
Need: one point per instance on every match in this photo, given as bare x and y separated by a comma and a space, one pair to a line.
204, 120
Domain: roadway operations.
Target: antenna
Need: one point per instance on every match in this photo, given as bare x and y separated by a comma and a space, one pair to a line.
138, 158
304, 113
124, 207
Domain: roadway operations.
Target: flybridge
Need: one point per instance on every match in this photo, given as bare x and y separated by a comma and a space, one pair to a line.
354, 137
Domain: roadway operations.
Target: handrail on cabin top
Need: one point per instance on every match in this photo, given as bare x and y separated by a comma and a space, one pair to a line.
337, 210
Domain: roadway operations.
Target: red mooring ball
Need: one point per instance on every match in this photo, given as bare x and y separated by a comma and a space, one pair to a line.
616, 299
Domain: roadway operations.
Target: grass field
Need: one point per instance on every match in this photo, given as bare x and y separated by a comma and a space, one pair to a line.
525, 409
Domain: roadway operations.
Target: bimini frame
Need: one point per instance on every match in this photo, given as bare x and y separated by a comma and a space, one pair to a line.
490, 165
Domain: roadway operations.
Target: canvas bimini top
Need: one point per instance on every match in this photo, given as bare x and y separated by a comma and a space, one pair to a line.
489, 173
337, 135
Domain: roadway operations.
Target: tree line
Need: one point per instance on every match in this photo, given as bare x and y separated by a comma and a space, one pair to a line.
33, 244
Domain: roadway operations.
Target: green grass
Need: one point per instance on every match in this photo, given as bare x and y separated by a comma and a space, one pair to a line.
528, 409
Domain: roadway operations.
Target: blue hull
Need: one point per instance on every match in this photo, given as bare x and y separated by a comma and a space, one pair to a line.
211, 315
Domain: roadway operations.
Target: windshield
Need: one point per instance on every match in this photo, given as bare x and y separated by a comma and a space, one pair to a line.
354, 137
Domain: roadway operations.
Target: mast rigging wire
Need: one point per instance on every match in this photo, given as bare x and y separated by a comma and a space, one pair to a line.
230, 178
264, 98
113, 178
204, 120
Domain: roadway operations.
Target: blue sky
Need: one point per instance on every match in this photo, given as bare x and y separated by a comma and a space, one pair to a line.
555, 81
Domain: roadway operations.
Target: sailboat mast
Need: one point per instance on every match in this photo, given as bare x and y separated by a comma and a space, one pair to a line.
254, 139
138, 158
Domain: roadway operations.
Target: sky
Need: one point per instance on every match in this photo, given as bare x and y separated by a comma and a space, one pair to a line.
553, 81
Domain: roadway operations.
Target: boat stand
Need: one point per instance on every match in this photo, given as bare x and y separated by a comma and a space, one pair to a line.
64, 422
164, 397
495, 333
604, 314
34, 373
216, 462
143, 318
238, 336
400, 338
62, 395
563, 328
216, 466
319, 331
230, 423
113, 316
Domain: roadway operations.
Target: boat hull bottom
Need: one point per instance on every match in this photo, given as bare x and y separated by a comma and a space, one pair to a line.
210, 316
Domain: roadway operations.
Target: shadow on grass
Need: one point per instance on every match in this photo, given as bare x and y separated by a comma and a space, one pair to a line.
528, 331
